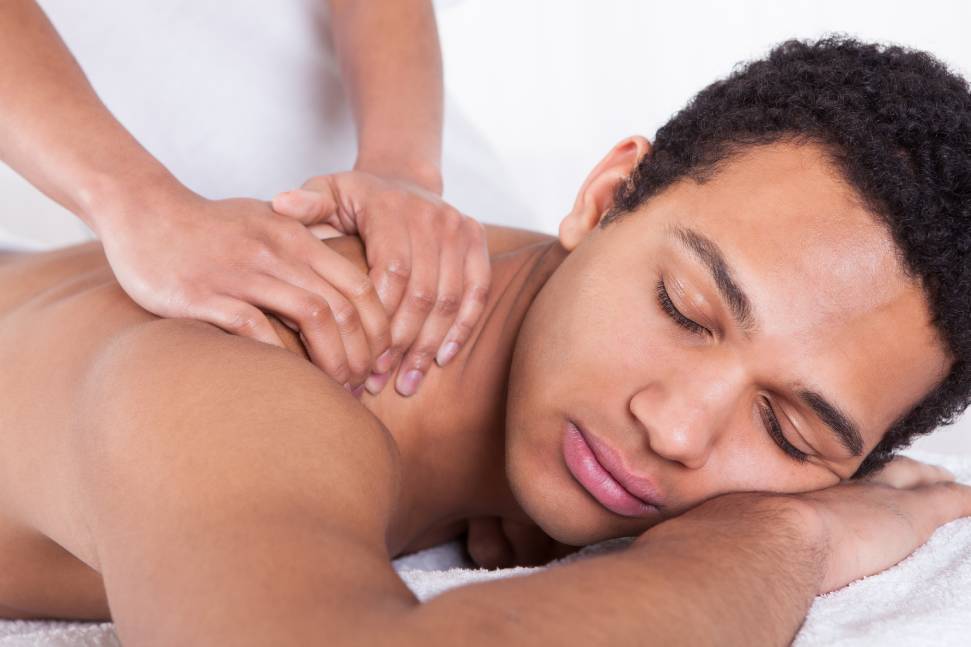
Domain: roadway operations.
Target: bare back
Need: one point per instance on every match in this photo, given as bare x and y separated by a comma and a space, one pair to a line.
57, 311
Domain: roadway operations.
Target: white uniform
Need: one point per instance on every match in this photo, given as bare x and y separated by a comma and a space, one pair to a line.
237, 99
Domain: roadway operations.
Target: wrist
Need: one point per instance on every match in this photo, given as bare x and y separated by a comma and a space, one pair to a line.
423, 172
779, 524
106, 201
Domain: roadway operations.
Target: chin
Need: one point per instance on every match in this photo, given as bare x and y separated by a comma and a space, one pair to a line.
546, 492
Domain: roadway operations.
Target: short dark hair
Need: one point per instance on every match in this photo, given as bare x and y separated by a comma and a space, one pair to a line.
897, 124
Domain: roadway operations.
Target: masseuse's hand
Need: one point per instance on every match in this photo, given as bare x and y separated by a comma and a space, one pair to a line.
429, 262
225, 261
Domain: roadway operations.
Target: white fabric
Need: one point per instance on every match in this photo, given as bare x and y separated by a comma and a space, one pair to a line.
923, 600
240, 99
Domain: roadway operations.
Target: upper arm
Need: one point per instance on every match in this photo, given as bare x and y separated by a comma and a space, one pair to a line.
235, 493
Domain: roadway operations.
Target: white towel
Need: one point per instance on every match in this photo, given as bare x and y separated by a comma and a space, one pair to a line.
923, 600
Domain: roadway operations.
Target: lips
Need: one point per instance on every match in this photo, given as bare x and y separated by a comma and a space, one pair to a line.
599, 469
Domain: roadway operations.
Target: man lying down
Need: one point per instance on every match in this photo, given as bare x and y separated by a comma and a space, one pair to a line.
733, 332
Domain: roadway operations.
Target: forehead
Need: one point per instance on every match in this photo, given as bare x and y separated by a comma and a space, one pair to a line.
827, 288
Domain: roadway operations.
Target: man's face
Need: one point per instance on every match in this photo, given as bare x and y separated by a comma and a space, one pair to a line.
635, 341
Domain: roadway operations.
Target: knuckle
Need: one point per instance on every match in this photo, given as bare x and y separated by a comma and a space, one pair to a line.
340, 371
451, 221
474, 228
287, 231
316, 311
420, 357
447, 304
479, 294
430, 213
243, 323
364, 289
381, 338
461, 330
421, 300
358, 370
398, 269
259, 251
347, 319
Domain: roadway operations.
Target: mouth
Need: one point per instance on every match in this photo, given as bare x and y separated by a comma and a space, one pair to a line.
599, 469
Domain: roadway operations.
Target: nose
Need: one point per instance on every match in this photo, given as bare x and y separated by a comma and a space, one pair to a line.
685, 413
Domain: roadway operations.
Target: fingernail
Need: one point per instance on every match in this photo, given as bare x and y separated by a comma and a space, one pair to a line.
408, 383
375, 382
384, 361
347, 385
446, 352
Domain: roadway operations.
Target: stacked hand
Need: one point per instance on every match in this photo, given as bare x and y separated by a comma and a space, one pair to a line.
429, 262
228, 262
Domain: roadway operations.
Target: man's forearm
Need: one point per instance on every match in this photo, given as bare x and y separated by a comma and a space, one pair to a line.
392, 67
731, 573
56, 132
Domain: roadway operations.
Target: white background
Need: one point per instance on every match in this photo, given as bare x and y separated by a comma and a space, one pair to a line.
241, 98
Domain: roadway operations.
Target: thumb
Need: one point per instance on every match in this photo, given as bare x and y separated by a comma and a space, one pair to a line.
309, 207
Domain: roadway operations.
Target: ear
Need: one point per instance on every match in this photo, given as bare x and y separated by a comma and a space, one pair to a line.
597, 193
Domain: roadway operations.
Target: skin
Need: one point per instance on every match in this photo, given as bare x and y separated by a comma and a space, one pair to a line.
403, 473
157, 234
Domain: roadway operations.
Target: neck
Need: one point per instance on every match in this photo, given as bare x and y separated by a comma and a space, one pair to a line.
451, 434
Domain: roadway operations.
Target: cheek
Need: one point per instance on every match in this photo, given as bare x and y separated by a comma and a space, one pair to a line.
749, 465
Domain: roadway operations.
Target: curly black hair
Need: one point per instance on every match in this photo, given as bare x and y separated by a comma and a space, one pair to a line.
896, 123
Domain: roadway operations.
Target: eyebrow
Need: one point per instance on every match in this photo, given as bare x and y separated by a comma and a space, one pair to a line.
840, 424
706, 251
711, 256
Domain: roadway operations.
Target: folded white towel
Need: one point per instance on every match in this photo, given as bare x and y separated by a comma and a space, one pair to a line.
923, 600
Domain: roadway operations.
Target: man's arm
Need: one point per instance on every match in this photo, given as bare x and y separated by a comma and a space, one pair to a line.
238, 496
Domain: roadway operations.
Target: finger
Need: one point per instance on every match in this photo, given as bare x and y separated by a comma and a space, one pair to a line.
905, 472
389, 256
486, 543
358, 289
348, 320
478, 277
236, 317
314, 315
419, 356
329, 270
947, 501
305, 205
418, 301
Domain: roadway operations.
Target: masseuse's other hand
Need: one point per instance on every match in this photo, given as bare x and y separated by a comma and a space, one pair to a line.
429, 262
224, 261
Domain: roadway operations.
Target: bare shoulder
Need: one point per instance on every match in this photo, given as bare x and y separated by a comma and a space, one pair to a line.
224, 413
216, 468
503, 239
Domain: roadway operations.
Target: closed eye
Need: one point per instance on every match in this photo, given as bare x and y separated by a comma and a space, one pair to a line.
664, 300
771, 421
774, 429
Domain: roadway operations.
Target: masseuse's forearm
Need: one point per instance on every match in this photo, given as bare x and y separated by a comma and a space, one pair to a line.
55, 132
731, 573
392, 68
